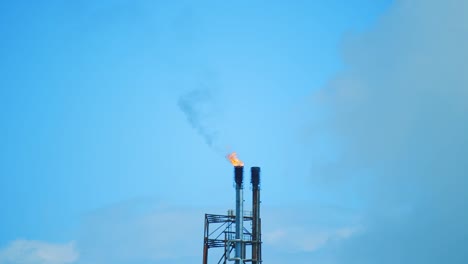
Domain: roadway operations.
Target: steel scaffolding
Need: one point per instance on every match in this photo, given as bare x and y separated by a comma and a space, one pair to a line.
220, 233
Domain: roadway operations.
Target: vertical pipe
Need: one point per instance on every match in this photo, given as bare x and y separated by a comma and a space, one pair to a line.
205, 242
256, 243
259, 235
238, 177
205, 254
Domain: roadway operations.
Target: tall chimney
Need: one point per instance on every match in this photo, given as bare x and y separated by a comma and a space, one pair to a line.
238, 178
256, 224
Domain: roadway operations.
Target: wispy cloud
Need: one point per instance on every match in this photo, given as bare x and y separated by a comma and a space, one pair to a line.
154, 233
38, 252
306, 230
140, 232
400, 110
305, 238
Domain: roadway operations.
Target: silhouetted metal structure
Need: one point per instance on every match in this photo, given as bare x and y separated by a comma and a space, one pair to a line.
256, 221
229, 233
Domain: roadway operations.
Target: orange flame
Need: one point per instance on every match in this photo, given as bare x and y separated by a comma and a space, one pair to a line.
234, 160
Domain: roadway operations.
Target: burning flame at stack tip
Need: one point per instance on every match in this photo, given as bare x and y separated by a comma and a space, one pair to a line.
234, 160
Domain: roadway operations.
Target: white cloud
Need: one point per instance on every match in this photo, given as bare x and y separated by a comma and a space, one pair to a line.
139, 232
305, 238
38, 252
308, 231
400, 110
133, 232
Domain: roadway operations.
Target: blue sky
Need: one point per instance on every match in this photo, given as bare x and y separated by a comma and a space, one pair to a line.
116, 117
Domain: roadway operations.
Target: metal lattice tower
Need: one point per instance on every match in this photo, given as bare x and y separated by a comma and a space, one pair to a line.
232, 234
